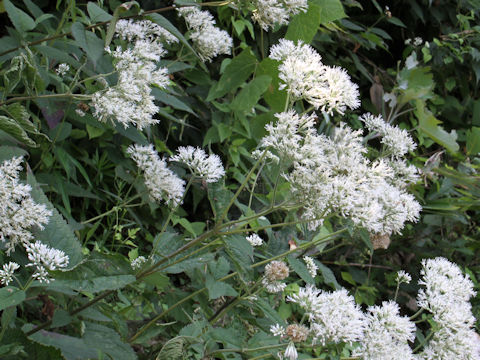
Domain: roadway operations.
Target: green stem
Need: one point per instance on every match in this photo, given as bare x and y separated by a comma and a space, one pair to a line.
246, 350
115, 208
21, 98
416, 314
396, 291
429, 336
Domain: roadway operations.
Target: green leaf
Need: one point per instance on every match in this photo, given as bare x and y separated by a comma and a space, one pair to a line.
56, 233
429, 125
157, 279
88, 41
171, 100
189, 264
8, 152
96, 13
10, 296
330, 10
473, 141
274, 97
415, 83
304, 26
14, 129
175, 349
21, 20
217, 289
219, 197
20, 114
108, 341
301, 270
98, 273
251, 93
328, 276
236, 73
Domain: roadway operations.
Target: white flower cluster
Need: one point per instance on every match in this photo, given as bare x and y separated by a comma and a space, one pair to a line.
130, 100
6, 274
138, 262
254, 240
446, 295
304, 76
397, 141
62, 69
334, 317
387, 334
268, 13
18, 211
45, 258
209, 40
403, 277
311, 266
206, 167
162, 183
333, 174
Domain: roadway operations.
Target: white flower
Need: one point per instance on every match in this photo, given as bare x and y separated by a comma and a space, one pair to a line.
161, 182
277, 330
130, 100
403, 277
45, 258
390, 98
144, 29
207, 167
273, 286
396, 140
291, 351
304, 76
311, 266
334, 317
387, 334
18, 211
138, 262
268, 13
6, 275
62, 69
254, 240
80, 112
209, 40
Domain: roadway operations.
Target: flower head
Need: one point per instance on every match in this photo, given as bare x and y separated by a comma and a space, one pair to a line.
209, 40
6, 274
207, 167
161, 182
268, 13
45, 258
18, 212
255, 240
403, 277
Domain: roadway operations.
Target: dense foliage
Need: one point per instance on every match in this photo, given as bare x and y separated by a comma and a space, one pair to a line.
239, 179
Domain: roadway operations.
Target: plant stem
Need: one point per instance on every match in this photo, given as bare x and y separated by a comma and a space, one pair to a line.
115, 208
21, 98
416, 314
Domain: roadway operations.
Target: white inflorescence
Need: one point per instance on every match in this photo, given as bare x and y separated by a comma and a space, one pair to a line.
333, 174
161, 182
206, 167
18, 211
254, 240
334, 317
311, 266
6, 274
138, 262
387, 334
446, 295
62, 69
403, 277
209, 40
275, 272
268, 13
130, 100
397, 141
304, 76
45, 258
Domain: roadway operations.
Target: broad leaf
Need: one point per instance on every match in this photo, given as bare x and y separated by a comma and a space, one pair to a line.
10, 296
251, 93
21, 20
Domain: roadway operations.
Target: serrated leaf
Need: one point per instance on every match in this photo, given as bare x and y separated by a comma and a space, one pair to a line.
56, 233
10, 296
217, 289
14, 129
175, 349
236, 73
429, 125
20, 114
330, 10
248, 97
274, 97
473, 141
328, 276
21, 20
